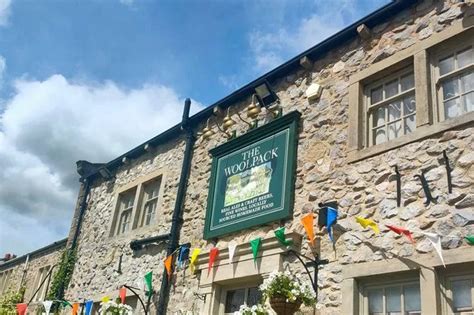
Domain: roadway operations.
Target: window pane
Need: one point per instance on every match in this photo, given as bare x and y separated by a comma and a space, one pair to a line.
379, 116
393, 296
465, 57
461, 294
446, 65
253, 297
394, 111
450, 88
409, 105
452, 108
375, 301
376, 95
468, 101
467, 82
407, 82
124, 221
395, 130
411, 295
233, 300
379, 135
391, 89
410, 124
150, 211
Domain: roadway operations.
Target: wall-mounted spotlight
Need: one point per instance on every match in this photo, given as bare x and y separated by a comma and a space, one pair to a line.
265, 95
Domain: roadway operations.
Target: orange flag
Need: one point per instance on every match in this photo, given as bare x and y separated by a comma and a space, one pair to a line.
168, 263
123, 294
75, 308
308, 221
21, 308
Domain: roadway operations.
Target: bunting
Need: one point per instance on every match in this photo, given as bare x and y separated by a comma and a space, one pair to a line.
368, 223
21, 308
403, 231
105, 299
123, 294
47, 306
75, 307
308, 221
435, 240
280, 235
88, 307
231, 247
470, 239
147, 278
183, 255
213, 254
193, 260
255, 245
65, 303
168, 266
331, 220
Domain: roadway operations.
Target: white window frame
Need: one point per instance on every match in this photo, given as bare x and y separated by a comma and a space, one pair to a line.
224, 291
463, 274
121, 211
40, 276
146, 199
5, 279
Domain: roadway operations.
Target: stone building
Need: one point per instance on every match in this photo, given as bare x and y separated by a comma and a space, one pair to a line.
391, 92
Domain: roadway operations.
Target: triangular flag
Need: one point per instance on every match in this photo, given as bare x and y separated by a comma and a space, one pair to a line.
470, 239
212, 258
75, 308
331, 220
435, 239
105, 299
147, 278
88, 307
47, 306
193, 260
280, 235
255, 245
21, 308
65, 303
403, 231
368, 223
123, 294
308, 221
168, 266
183, 255
231, 247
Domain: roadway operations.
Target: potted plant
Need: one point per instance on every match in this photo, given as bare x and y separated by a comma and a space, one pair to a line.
286, 292
113, 308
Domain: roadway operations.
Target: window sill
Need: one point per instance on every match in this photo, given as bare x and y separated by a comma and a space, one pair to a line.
420, 133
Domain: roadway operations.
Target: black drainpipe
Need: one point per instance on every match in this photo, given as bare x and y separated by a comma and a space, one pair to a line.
177, 220
82, 209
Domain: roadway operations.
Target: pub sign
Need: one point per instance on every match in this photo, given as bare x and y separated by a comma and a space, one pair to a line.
252, 178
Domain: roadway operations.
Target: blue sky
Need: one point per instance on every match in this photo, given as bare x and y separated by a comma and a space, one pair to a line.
91, 79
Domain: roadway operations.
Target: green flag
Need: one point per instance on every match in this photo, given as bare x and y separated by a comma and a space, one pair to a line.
149, 288
470, 239
255, 244
65, 303
280, 235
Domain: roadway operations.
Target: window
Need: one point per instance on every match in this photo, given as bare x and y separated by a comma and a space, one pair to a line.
137, 204
4, 280
40, 281
461, 295
237, 297
151, 192
126, 202
455, 82
394, 299
391, 107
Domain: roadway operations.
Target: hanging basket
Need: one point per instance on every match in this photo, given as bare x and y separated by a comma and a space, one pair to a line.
282, 307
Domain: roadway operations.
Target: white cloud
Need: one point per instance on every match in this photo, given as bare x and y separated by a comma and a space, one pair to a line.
47, 126
4, 12
3, 66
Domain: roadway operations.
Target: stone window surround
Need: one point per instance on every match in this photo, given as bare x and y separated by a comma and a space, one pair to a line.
41, 274
137, 204
418, 56
242, 270
431, 274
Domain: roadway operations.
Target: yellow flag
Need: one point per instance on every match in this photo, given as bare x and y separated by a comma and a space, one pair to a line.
368, 223
194, 256
105, 299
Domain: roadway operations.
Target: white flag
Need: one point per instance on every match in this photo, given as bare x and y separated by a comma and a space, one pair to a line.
47, 306
232, 247
435, 239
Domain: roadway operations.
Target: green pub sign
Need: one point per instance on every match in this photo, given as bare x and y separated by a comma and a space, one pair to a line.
252, 178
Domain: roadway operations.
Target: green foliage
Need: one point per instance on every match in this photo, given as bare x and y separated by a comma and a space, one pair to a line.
62, 276
9, 300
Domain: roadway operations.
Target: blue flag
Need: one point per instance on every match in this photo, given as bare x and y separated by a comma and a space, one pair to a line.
331, 220
183, 255
89, 307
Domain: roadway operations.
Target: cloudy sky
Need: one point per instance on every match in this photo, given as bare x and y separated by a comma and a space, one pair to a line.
91, 79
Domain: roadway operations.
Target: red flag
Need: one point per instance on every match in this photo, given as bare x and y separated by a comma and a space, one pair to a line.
123, 294
21, 308
212, 257
403, 231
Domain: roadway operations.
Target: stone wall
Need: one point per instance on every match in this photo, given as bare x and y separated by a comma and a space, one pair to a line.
364, 188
